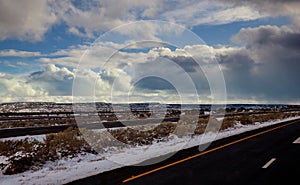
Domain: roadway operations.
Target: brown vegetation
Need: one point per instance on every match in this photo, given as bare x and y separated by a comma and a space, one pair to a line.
24, 154
137, 137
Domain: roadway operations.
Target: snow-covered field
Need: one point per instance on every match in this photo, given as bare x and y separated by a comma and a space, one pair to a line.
67, 170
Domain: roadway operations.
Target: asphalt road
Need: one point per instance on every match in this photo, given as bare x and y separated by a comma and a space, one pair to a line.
265, 156
23, 131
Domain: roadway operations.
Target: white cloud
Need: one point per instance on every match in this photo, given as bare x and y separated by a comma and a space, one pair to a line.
102, 16
13, 64
120, 71
191, 13
85, 55
52, 81
228, 15
251, 72
25, 20
17, 86
99, 16
30, 20
271, 7
17, 53
75, 31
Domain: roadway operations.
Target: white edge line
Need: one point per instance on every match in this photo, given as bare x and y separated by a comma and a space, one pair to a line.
269, 163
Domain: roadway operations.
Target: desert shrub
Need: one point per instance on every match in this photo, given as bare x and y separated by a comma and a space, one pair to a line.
203, 120
200, 129
21, 155
100, 140
10, 147
244, 119
18, 163
65, 144
132, 137
183, 129
270, 116
24, 154
164, 129
213, 125
228, 122
137, 137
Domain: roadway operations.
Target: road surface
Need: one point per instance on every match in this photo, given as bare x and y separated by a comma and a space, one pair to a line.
23, 131
265, 156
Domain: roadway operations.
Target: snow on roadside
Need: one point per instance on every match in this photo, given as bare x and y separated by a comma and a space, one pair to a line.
39, 138
62, 172
65, 171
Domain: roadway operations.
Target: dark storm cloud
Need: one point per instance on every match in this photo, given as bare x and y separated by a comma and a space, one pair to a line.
187, 63
172, 74
238, 75
271, 44
271, 7
237, 60
238, 69
269, 81
268, 68
154, 83
268, 36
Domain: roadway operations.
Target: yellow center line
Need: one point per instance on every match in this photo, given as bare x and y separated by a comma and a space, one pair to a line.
205, 152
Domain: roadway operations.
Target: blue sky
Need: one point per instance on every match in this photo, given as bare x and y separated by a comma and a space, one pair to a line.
47, 46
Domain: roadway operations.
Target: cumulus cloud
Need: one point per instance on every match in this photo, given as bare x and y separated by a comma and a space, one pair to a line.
17, 86
249, 75
210, 12
57, 81
271, 7
52, 83
253, 71
90, 17
266, 69
268, 36
268, 75
30, 20
101, 16
25, 20
122, 72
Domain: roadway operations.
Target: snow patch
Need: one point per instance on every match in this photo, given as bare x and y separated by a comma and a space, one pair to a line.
39, 138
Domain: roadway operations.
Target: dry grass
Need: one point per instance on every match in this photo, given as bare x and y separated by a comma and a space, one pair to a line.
25, 154
137, 137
